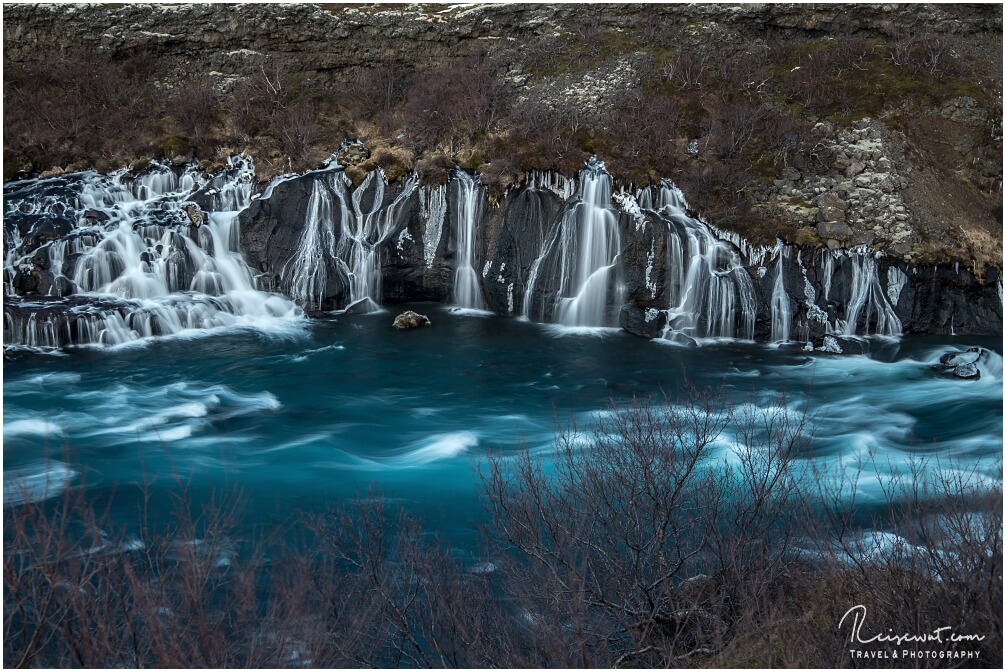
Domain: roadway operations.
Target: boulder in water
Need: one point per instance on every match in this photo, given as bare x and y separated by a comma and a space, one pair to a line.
195, 215
648, 322
967, 371
95, 216
830, 344
841, 345
963, 365
956, 359
410, 320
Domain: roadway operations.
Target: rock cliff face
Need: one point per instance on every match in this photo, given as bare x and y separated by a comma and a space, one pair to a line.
919, 183
325, 38
109, 259
674, 276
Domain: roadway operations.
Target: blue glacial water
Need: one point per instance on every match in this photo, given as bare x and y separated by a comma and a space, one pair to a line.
321, 412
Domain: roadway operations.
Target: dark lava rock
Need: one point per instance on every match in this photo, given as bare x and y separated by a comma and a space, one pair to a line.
95, 216
649, 323
967, 372
26, 282
271, 230
962, 365
956, 359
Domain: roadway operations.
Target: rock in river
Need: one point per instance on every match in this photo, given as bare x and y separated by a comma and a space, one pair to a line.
411, 320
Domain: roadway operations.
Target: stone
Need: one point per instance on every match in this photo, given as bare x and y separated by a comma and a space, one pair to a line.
855, 168
26, 282
645, 322
196, 216
967, 372
95, 216
832, 208
956, 359
963, 365
352, 155
829, 344
791, 174
410, 320
834, 231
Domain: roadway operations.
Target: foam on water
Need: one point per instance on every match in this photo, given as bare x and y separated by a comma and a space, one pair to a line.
436, 448
34, 427
561, 330
414, 415
470, 312
55, 378
36, 482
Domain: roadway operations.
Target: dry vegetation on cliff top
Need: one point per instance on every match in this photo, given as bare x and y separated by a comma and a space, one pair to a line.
745, 104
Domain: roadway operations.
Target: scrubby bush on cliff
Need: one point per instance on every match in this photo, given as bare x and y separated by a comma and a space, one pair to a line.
456, 104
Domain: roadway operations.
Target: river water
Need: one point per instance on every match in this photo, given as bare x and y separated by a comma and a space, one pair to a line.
315, 412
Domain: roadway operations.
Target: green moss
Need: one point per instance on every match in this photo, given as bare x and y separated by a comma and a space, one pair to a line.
175, 146
15, 164
472, 161
803, 236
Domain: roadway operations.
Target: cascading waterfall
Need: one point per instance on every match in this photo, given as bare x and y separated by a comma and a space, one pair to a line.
782, 309
343, 234
468, 214
710, 293
133, 257
306, 276
433, 208
580, 256
93, 259
867, 302
368, 229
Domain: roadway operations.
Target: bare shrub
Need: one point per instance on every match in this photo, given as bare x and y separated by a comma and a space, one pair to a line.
687, 70
296, 129
931, 557
736, 125
194, 106
685, 533
379, 93
633, 540
453, 105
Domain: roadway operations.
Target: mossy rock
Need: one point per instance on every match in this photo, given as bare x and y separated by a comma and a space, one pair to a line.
139, 166
175, 146
356, 175
472, 161
15, 164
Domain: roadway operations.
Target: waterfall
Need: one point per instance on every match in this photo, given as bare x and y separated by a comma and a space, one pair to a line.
468, 211
433, 209
560, 185
305, 276
343, 234
867, 302
120, 258
782, 311
710, 293
578, 258
369, 228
